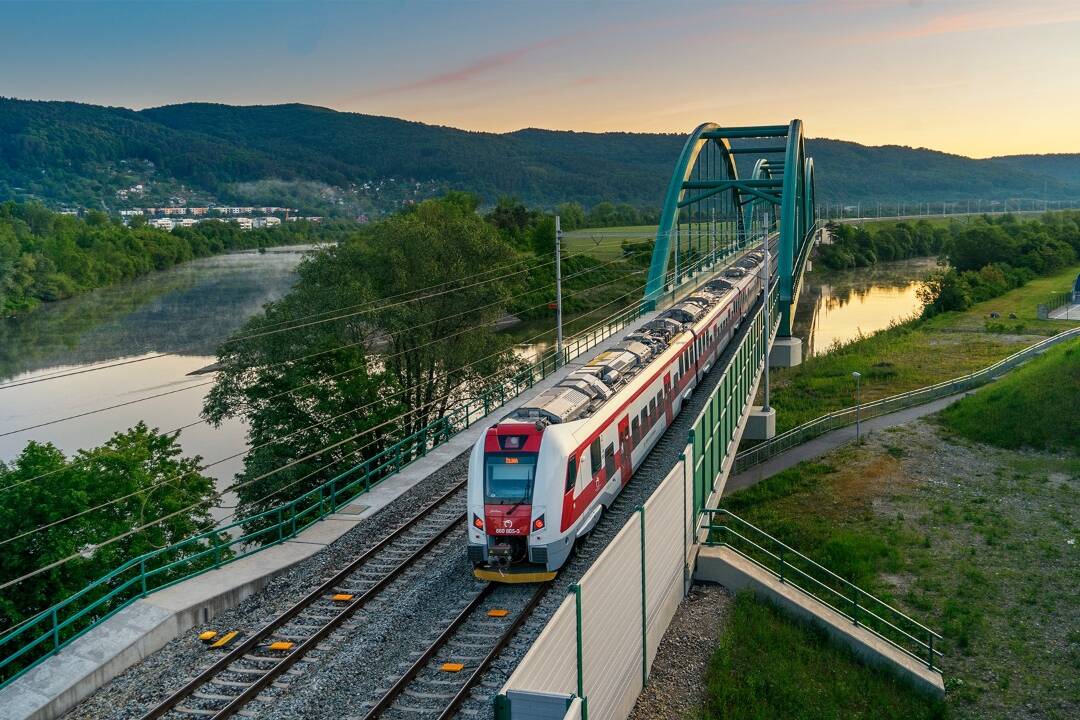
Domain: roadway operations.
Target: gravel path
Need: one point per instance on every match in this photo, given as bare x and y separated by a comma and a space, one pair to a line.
676, 687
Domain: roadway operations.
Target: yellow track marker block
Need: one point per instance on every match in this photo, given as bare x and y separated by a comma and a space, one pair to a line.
497, 612
452, 667
281, 645
208, 635
342, 597
224, 640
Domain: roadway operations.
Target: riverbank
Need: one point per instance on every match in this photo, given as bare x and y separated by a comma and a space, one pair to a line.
916, 353
56, 257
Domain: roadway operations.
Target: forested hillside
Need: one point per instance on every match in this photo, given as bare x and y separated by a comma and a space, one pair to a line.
325, 161
45, 256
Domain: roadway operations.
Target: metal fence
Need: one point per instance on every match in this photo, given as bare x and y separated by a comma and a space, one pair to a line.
1058, 300
884, 406
714, 430
800, 572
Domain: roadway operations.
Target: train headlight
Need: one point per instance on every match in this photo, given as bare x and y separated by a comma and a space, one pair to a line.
538, 524
477, 522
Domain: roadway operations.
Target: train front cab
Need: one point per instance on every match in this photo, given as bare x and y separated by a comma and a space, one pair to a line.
508, 523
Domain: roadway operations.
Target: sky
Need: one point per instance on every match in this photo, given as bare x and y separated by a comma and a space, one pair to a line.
973, 77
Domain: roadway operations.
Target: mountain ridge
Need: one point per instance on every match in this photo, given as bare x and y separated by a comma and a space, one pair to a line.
68, 153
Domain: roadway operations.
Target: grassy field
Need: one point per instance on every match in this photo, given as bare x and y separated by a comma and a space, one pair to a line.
873, 224
916, 353
606, 243
770, 666
1033, 406
975, 541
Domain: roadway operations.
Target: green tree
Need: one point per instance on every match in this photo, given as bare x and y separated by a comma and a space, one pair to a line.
321, 395
142, 466
571, 215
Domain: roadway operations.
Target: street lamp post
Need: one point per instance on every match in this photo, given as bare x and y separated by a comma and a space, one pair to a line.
858, 405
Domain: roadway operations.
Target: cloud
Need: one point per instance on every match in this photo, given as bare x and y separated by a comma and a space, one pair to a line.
472, 70
998, 18
506, 58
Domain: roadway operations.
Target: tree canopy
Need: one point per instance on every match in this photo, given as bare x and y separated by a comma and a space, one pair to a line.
139, 476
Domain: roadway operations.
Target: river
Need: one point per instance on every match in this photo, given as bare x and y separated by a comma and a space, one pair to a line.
179, 315
839, 305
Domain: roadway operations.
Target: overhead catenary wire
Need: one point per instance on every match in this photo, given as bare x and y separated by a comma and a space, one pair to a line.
322, 352
200, 421
669, 275
109, 541
370, 303
114, 501
237, 486
293, 463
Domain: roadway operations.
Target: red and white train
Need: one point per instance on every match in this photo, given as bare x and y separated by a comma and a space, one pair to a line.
541, 477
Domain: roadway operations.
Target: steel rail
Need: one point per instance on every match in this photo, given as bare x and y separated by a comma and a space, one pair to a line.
445, 636
237, 653
502, 642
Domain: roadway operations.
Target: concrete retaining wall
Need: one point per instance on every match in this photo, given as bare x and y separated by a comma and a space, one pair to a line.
615, 619
728, 568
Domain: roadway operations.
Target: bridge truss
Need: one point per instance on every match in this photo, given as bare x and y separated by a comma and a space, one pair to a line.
732, 187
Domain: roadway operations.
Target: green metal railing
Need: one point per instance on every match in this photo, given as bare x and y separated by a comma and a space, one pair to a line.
843, 418
45, 633
713, 433
712, 436
1054, 301
824, 586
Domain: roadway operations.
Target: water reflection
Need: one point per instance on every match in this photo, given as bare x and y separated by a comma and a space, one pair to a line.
186, 310
838, 305
183, 312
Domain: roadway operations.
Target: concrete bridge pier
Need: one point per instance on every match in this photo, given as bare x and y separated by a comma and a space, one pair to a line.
786, 352
760, 423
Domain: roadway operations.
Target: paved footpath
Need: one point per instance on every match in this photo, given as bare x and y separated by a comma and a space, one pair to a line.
830, 441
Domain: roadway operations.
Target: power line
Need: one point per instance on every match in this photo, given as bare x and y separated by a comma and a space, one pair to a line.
322, 352
292, 390
175, 513
367, 304
366, 431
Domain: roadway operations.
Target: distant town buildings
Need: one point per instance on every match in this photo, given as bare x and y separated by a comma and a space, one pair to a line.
248, 218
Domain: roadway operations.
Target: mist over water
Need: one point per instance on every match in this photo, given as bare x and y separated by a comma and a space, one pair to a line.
184, 312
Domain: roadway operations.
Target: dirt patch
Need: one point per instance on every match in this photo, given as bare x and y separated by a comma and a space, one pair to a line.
676, 687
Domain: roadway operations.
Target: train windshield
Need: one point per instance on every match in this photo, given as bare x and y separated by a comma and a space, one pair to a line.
508, 479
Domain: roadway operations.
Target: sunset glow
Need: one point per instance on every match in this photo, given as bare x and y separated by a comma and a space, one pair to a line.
974, 77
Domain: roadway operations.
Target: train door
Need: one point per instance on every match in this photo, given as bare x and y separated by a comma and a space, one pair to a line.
626, 464
668, 411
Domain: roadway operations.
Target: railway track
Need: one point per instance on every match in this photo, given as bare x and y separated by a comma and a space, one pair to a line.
258, 660
440, 679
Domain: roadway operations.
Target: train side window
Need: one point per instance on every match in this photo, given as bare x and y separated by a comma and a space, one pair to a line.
571, 474
645, 418
609, 460
594, 455
635, 431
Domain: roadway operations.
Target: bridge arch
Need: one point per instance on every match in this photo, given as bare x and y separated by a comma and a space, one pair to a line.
710, 212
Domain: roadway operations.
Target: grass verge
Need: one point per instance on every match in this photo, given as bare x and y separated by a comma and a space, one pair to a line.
769, 665
1033, 406
916, 353
977, 542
